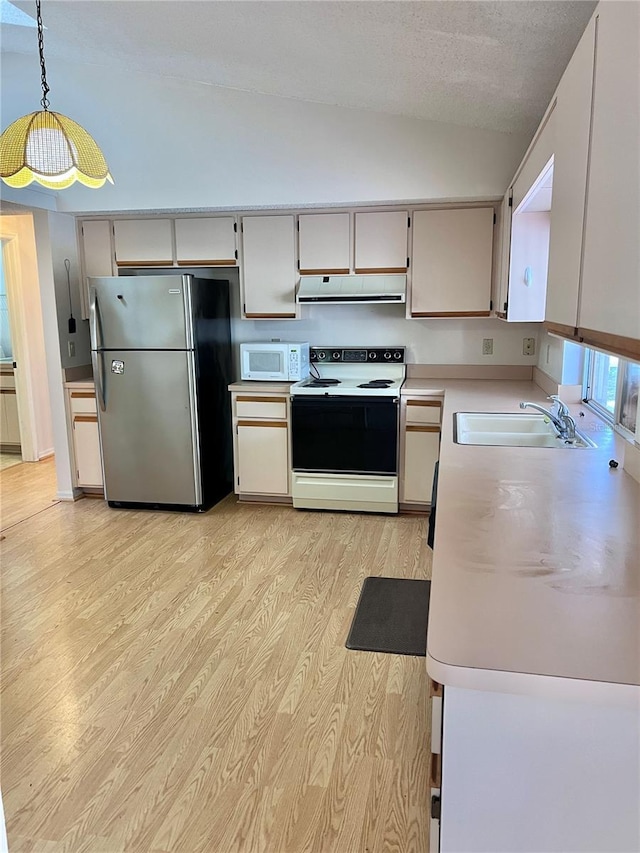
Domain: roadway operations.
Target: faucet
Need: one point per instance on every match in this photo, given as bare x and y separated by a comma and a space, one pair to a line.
563, 422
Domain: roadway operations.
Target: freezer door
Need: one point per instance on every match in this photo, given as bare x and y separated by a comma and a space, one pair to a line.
148, 428
141, 312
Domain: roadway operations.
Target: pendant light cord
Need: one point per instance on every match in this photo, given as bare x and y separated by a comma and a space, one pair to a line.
43, 76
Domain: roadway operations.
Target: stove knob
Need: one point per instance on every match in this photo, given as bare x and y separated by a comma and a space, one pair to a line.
397, 355
373, 356
322, 356
336, 356
387, 355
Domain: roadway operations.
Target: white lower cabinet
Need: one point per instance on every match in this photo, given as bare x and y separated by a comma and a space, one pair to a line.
9, 421
83, 418
524, 773
261, 443
262, 457
420, 448
86, 442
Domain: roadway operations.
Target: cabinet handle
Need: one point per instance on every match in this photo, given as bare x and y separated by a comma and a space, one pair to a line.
388, 270
231, 262
87, 395
7, 390
278, 424
261, 399
423, 428
325, 272
85, 419
432, 403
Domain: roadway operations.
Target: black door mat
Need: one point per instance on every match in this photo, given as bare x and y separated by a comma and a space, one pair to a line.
391, 617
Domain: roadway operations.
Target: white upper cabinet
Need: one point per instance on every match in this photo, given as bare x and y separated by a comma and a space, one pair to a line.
324, 243
381, 241
208, 241
96, 254
571, 153
269, 266
143, 242
610, 298
96, 247
451, 269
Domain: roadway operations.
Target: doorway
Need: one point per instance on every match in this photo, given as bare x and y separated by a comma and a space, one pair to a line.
10, 441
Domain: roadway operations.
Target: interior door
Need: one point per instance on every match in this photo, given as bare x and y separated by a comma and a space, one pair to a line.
148, 428
141, 312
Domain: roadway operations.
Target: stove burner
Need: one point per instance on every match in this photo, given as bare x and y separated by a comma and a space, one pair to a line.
377, 383
322, 383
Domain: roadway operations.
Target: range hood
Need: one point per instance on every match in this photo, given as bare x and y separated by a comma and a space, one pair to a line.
352, 289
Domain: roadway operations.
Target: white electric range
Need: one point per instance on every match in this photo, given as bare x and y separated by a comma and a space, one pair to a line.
345, 424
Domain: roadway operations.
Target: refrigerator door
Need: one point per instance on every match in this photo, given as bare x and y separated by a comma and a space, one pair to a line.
149, 428
141, 312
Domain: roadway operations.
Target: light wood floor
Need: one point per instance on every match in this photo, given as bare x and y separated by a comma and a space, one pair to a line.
25, 490
180, 683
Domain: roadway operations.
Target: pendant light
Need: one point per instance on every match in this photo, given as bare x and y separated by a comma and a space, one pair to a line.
48, 147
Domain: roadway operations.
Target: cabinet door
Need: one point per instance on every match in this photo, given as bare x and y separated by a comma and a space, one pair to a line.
9, 422
209, 241
86, 443
262, 457
421, 449
143, 242
96, 254
452, 251
381, 242
611, 266
324, 243
269, 266
572, 125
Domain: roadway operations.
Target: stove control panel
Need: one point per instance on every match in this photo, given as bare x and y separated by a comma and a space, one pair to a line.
361, 355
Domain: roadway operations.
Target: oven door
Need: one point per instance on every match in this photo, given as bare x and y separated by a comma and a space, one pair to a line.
350, 435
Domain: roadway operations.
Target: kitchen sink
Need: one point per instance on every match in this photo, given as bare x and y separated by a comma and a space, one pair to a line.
505, 429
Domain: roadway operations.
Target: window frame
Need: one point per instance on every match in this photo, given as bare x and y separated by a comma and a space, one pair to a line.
613, 418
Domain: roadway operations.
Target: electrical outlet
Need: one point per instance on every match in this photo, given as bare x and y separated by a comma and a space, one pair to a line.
487, 346
72, 348
528, 346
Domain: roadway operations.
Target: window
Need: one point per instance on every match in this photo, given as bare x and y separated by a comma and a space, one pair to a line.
611, 387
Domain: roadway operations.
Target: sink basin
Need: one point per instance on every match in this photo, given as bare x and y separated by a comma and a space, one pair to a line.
505, 429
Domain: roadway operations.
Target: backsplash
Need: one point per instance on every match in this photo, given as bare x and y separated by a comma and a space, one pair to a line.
437, 341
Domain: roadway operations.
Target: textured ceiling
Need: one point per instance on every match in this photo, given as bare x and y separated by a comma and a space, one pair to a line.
483, 64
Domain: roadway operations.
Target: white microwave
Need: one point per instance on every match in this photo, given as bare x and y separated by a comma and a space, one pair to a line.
275, 361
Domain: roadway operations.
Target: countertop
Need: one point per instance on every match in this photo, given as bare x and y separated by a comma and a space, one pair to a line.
261, 387
536, 567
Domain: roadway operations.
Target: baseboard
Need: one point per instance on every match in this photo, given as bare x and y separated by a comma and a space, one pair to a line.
47, 454
414, 509
67, 496
265, 499
632, 460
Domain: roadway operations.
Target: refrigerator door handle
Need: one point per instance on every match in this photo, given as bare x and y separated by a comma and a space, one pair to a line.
96, 361
93, 317
96, 358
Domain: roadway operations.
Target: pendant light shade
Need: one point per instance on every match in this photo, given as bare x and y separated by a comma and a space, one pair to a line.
51, 149
48, 147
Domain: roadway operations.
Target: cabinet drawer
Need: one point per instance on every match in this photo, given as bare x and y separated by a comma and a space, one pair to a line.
250, 406
424, 411
83, 402
7, 381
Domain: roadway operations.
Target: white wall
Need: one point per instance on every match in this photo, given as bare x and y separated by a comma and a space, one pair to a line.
62, 231
176, 144
52, 349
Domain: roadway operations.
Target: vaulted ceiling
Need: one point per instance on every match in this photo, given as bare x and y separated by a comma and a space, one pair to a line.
480, 63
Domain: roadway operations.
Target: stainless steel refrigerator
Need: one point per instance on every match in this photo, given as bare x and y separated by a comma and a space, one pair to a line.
161, 352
